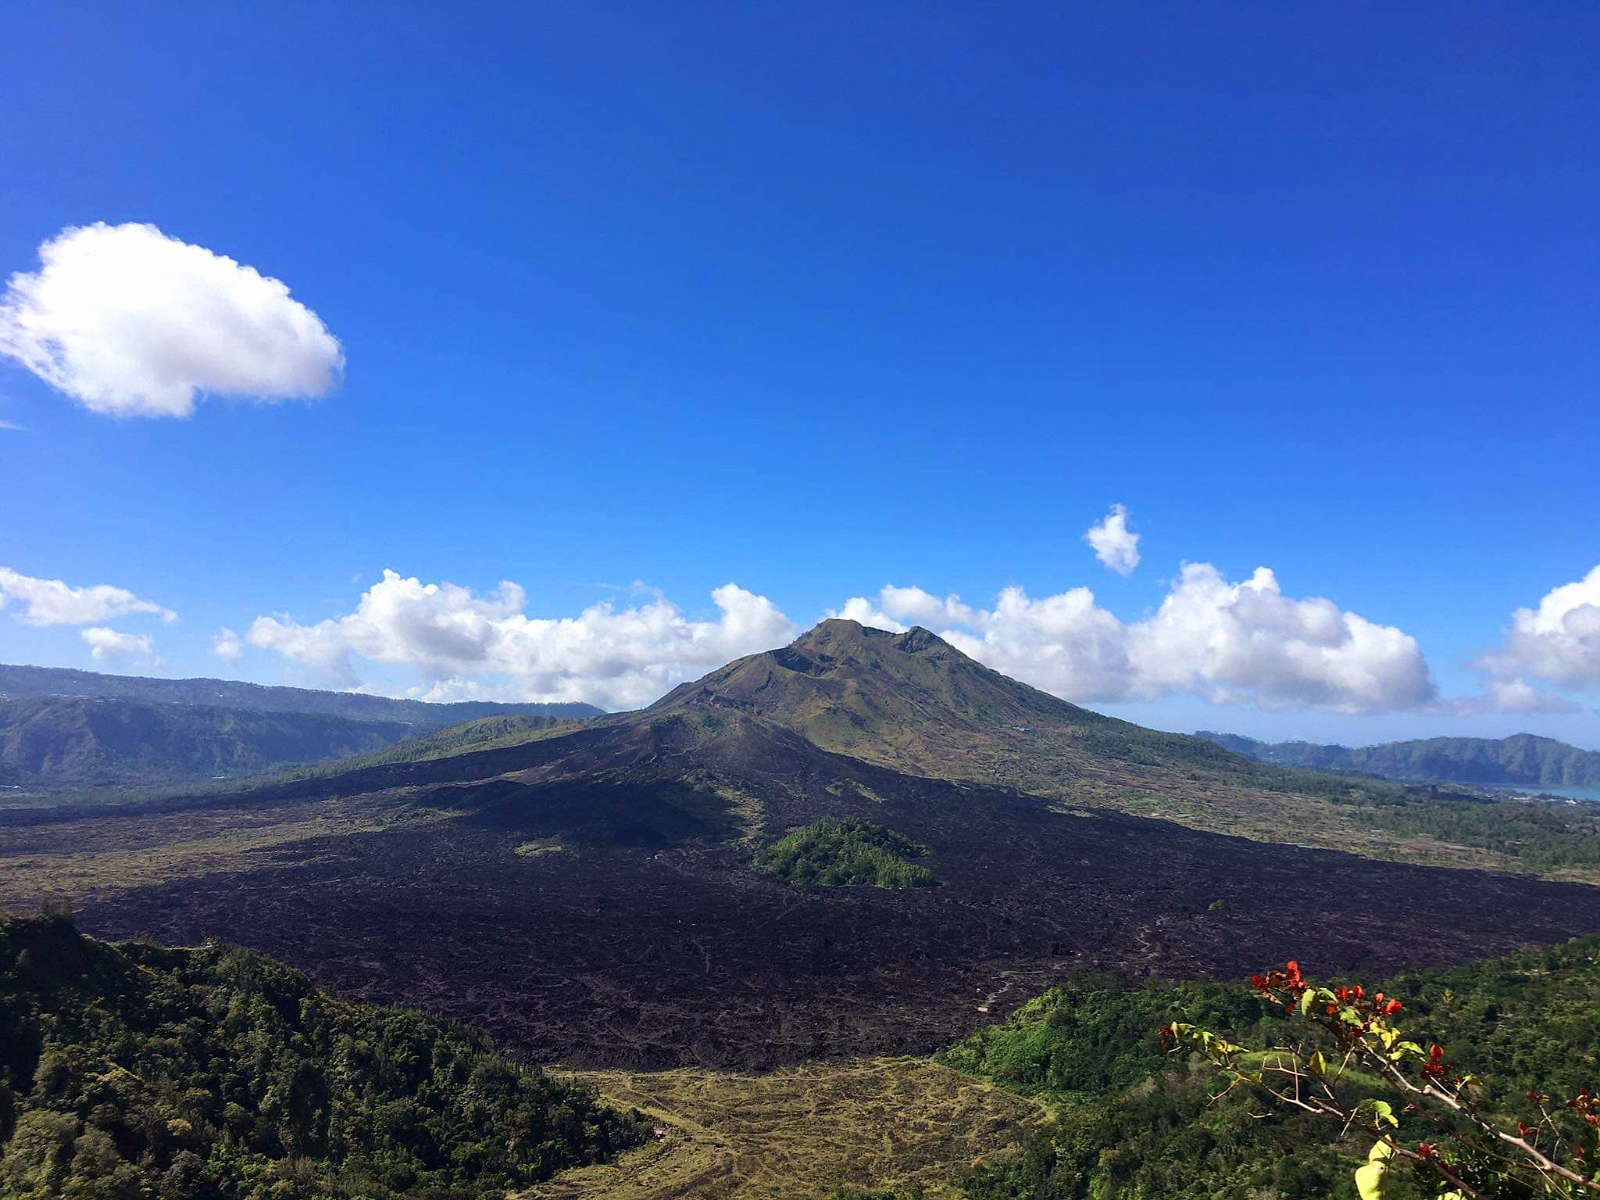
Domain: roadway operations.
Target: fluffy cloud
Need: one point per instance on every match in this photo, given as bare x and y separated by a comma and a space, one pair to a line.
1226, 642
1114, 543
617, 658
1558, 643
228, 646
106, 643
131, 322
52, 602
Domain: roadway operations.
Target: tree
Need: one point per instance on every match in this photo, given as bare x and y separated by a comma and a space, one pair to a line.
1347, 1060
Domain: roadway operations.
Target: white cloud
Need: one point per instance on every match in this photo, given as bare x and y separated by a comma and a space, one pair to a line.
1558, 642
228, 646
131, 322
52, 602
13, 427
1114, 543
1518, 696
466, 645
106, 643
1225, 642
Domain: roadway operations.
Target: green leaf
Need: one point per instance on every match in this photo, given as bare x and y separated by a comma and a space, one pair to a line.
1308, 1001
1317, 1064
1369, 1180
1383, 1113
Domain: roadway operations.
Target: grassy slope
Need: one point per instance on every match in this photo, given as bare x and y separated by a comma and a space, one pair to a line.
112, 853
800, 1133
486, 733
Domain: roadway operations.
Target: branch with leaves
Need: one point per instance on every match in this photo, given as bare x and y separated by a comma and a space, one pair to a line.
1349, 1062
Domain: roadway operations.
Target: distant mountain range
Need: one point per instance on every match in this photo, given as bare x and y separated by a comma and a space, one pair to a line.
1522, 760
66, 728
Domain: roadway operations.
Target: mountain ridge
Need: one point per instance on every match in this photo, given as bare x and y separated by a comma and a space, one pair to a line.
20, 681
62, 728
1523, 759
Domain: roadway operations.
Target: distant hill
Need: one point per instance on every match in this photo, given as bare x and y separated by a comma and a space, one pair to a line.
1522, 760
230, 693
139, 1071
65, 729
88, 741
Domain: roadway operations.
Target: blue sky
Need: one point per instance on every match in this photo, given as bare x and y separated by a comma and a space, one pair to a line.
816, 299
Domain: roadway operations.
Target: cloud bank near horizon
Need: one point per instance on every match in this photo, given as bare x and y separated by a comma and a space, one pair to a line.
1224, 642
130, 322
106, 644
1228, 643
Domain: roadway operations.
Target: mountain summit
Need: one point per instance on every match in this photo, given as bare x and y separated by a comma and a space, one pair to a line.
845, 676
914, 703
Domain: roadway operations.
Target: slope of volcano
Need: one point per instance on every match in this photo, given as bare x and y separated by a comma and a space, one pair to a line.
590, 896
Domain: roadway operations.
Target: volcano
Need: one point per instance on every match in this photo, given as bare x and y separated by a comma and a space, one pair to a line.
589, 895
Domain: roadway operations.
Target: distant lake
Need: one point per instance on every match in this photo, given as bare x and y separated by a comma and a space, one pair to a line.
1591, 794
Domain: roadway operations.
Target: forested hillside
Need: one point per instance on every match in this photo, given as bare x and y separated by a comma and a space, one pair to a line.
1138, 1124
62, 729
1522, 760
135, 1071
86, 741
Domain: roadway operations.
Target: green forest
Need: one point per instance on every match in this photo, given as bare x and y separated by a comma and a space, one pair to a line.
132, 1072
846, 851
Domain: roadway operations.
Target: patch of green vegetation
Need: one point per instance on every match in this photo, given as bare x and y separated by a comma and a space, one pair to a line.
490, 733
1134, 1123
538, 846
846, 851
1539, 837
1093, 1034
135, 1071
